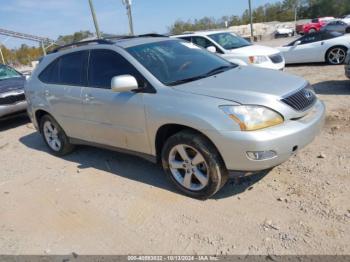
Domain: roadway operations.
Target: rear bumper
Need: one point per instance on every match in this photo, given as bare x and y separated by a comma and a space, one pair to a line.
13, 108
283, 139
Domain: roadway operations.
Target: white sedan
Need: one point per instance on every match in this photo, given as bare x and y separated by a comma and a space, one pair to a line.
330, 47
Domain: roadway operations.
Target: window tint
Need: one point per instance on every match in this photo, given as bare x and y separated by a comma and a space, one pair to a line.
310, 38
187, 38
72, 68
51, 73
67, 70
105, 64
331, 34
201, 41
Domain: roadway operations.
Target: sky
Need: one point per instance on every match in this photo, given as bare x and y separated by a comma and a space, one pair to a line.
51, 18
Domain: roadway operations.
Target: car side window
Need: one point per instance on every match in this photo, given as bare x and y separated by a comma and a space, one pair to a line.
50, 74
188, 38
311, 38
201, 41
105, 64
73, 68
68, 69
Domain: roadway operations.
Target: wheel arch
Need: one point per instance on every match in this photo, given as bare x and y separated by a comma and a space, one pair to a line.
329, 49
167, 130
38, 116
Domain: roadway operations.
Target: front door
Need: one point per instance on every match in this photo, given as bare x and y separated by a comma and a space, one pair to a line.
113, 119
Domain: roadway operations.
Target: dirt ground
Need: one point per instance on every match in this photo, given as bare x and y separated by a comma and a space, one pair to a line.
96, 201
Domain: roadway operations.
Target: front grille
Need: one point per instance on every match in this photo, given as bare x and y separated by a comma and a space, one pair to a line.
277, 58
9, 100
301, 100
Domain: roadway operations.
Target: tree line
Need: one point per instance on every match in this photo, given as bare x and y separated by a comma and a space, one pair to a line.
282, 11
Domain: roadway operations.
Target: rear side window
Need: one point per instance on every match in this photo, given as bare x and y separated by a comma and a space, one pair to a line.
69, 69
50, 74
73, 69
105, 64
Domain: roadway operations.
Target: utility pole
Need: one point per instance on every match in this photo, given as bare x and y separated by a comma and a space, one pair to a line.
127, 4
98, 34
251, 20
296, 12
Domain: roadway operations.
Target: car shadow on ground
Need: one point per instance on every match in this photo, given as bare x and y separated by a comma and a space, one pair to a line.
333, 87
13, 121
132, 167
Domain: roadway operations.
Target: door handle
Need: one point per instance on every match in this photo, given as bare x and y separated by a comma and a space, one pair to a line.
88, 97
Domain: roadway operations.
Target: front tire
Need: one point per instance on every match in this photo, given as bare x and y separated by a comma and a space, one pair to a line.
54, 136
336, 55
194, 165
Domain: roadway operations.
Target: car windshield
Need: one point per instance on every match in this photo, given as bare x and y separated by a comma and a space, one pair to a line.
229, 41
175, 62
8, 72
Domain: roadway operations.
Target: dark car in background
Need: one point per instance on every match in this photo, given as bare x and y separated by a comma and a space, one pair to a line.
337, 26
12, 99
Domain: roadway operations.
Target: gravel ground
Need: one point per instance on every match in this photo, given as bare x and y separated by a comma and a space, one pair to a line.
96, 201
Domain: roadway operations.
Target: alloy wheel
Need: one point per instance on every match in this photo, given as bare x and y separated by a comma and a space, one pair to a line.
336, 56
51, 136
188, 167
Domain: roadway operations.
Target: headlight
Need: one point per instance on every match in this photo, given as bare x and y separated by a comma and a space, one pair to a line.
252, 118
257, 59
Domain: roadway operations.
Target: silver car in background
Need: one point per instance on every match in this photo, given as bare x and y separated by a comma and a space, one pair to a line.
172, 102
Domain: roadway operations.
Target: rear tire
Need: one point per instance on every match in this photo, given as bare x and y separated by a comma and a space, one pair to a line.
54, 136
193, 164
336, 55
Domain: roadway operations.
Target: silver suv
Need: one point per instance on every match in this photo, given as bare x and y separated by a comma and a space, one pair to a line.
172, 102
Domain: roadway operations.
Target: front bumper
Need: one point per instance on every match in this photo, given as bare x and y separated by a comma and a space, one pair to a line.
284, 139
12, 108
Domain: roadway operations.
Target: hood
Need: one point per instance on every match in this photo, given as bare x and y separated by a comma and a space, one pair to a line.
254, 50
246, 85
12, 84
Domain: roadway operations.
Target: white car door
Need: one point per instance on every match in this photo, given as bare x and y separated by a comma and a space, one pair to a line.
114, 119
307, 51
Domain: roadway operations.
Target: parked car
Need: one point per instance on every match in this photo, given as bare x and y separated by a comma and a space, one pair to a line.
170, 101
12, 99
236, 49
284, 32
346, 19
337, 26
314, 26
324, 46
347, 65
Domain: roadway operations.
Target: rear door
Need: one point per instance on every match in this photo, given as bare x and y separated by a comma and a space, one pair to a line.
114, 119
63, 81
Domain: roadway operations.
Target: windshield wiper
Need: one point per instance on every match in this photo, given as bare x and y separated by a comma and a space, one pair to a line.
219, 69
215, 71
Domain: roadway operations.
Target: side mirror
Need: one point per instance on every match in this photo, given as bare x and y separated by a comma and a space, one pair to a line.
297, 43
123, 83
211, 49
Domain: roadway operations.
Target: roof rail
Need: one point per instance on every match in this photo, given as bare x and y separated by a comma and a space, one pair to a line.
82, 43
152, 35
